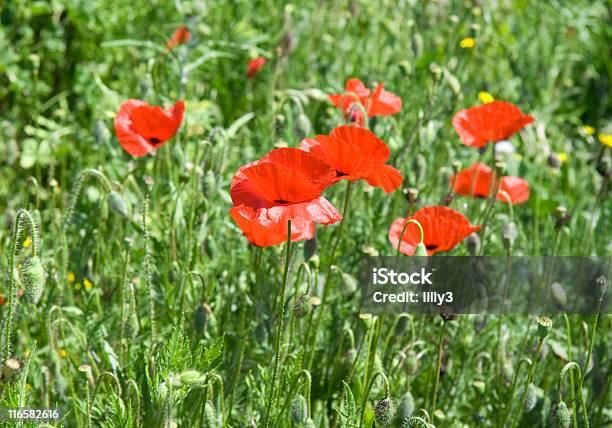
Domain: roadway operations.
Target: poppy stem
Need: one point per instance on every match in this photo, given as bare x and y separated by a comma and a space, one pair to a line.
421, 234
437, 373
279, 330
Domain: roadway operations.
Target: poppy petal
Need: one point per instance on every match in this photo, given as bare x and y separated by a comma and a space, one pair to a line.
385, 177
260, 230
476, 180
516, 187
384, 103
369, 144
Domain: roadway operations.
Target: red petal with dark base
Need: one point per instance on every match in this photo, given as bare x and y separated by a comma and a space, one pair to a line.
477, 180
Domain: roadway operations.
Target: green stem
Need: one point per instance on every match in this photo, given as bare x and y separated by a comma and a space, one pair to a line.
421, 233
437, 374
528, 382
279, 330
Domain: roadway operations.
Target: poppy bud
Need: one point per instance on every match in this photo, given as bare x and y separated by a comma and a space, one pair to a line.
209, 417
602, 281
448, 313
544, 325
10, 369
509, 234
302, 305
299, 409
559, 294
406, 405
33, 277
412, 362
191, 378
303, 126
384, 411
412, 195
561, 416
101, 132
117, 204
531, 398
473, 243
201, 317
421, 250
310, 248
553, 161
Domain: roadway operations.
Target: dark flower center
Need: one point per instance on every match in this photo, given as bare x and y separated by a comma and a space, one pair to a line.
154, 140
431, 247
340, 173
280, 201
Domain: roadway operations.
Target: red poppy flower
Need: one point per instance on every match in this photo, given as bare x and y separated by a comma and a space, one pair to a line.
355, 153
180, 37
380, 103
142, 128
490, 122
443, 228
260, 230
255, 66
479, 180
516, 187
284, 185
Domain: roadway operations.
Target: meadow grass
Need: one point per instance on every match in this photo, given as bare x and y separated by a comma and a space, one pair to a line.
156, 311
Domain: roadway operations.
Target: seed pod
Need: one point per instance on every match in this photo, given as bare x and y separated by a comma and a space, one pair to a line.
561, 416
299, 409
406, 405
302, 306
473, 244
553, 161
202, 314
531, 399
421, 250
310, 248
384, 411
117, 204
33, 277
191, 378
412, 362
544, 325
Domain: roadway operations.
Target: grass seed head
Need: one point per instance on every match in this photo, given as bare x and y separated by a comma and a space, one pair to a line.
33, 277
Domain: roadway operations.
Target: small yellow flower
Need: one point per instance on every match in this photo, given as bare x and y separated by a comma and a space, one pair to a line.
62, 353
467, 43
605, 139
562, 157
87, 283
70, 277
485, 97
29, 387
589, 130
27, 242
77, 286
517, 156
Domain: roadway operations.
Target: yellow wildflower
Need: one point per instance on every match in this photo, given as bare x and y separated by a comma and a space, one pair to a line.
467, 43
562, 157
62, 353
70, 277
605, 139
77, 286
485, 97
87, 283
589, 130
27, 242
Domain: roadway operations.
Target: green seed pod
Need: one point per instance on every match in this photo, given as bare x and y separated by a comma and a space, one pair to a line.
473, 244
384, 411
191, 378
509, 234
117, 204
302, 306
33, 277
412, 362
210, 417
544, 325
299, 409
406, 405
532, 398
421, 250
561, 416
202, 314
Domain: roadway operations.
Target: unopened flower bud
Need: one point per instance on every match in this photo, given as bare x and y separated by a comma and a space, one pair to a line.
117, 204
473, 244
553, 161
299, 409
559, 294
384, 411
191, 378
33, 277
561, 416
531, 399
421, 250
406, 405
302, 305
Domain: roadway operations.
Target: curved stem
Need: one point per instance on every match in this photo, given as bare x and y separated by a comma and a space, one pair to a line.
421, 234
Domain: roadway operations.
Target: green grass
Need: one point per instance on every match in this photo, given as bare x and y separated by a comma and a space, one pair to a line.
145, 300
